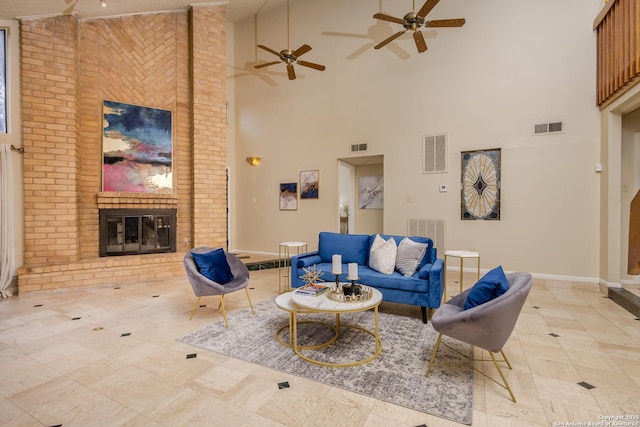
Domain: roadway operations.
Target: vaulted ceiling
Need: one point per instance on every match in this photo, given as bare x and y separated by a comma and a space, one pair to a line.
237, 10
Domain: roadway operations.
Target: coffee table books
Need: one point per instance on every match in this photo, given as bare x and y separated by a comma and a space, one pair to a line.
312, 289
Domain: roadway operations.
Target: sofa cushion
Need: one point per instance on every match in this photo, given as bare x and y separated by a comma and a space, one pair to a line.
214, 266
352, 247
429, 253
490, 286
370, 277
382, 256
409, 255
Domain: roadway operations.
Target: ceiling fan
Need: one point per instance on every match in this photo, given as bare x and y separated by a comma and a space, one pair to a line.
413, 21
289, 56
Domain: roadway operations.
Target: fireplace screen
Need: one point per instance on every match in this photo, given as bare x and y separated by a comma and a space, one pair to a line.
137, 231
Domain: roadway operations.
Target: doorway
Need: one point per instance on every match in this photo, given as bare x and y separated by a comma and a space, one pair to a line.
354, 218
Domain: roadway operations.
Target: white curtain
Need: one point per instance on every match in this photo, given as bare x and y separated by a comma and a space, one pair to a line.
7, 254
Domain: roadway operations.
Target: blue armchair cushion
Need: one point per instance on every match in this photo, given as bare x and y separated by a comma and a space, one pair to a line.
490, 286
214, 266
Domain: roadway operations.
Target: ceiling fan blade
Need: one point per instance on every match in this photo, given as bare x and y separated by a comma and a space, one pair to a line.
427, 7
291, 72
389, 39
445, 23
269, 49
312, 65
301, 50
389, 18
421, 45
266, 64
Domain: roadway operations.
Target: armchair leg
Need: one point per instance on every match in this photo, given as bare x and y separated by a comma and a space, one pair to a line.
224, 312
504, 379
194, 308
249, 298
433, 356
504, 356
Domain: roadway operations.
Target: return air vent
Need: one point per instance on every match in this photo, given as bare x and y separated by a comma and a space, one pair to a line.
546, 128
434, 153
358, 147
433, 228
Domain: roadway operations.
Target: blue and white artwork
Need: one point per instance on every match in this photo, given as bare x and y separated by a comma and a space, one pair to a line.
309, 184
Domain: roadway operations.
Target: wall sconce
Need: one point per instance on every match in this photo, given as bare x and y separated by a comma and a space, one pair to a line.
103, 3
254, 161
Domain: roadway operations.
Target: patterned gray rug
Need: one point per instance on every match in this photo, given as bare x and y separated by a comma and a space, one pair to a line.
397, 376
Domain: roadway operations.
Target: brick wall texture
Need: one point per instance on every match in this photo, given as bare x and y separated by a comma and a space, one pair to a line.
171, 61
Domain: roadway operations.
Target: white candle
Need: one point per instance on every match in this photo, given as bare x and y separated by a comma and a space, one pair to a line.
336, 264
353, 271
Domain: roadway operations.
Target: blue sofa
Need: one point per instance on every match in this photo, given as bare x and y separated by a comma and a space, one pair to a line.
424, 288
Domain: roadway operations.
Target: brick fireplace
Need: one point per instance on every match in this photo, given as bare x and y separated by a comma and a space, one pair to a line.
172, 61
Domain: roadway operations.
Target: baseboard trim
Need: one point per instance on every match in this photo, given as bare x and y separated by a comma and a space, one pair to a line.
474, 270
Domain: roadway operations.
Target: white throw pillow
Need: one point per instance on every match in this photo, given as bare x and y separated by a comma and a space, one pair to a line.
382, 257
409, 255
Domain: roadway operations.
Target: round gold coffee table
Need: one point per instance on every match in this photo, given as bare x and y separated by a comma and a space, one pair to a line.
284, 302
322, 304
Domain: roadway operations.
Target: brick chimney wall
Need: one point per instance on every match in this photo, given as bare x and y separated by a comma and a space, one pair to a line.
69, 68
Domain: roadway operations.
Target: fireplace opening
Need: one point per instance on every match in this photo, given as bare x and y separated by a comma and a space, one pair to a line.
137, 231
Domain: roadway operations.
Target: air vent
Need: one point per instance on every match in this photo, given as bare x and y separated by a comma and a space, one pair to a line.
434, 153
433, 228
546, 128
358, 147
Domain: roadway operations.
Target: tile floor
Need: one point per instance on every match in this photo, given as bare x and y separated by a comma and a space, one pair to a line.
108, 357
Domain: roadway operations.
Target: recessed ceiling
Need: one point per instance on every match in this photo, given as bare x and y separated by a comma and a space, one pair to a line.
237, 10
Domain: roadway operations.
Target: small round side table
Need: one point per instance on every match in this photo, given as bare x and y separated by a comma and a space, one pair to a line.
285, 251
462, 255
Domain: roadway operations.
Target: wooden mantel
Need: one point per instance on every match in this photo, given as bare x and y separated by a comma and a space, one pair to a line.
618, 44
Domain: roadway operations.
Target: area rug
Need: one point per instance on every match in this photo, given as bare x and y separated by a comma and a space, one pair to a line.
397, 376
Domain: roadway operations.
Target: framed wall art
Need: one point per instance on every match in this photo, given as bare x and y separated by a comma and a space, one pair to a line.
480, 185
371, 192
137, 149
309, 184
289, 196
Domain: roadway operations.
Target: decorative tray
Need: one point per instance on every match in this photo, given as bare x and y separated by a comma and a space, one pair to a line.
337, 294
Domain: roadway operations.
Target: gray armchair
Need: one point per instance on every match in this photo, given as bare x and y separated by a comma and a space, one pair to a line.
203, 286
488, 325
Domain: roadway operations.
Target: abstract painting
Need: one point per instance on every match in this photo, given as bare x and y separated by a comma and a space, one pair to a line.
371, 190
289, 196
309, 184
136, 149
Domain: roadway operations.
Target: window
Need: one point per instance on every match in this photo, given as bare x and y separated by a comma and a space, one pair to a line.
3, 81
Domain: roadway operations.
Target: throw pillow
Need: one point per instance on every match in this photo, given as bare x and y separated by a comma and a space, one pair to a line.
410, 254
382, 256
490, 286
214, 266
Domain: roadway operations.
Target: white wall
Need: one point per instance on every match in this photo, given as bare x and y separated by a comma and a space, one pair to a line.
512, 65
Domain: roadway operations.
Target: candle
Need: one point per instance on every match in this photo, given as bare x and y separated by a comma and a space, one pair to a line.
353, 271
336, 261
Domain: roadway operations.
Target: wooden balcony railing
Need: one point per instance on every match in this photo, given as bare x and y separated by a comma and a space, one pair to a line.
618, 44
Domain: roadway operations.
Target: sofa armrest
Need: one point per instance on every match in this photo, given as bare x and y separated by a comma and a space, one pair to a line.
434, 273
302, 261
305, 260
